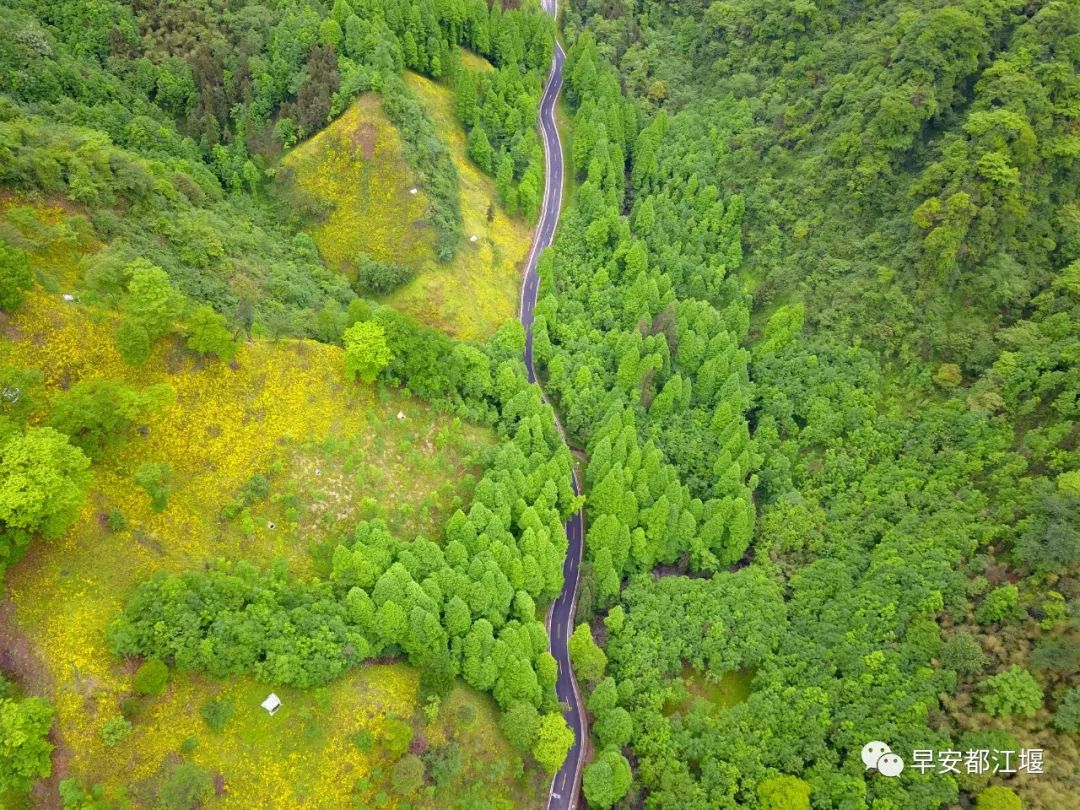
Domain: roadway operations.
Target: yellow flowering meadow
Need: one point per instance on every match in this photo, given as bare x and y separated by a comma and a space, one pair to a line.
357, 167
334, 453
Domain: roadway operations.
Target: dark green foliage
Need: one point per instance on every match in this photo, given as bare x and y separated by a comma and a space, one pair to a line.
431, 160
133, 342
480, 150
498, 108
186, 788
363, 740
154, 477
151, 677
156, 196
890, 182
1067, 716
99, 414
310, 110
906, 167
520, 723
15, 277
1051, 540
444, 764
963, 654
19, 390
378, 278
216, 713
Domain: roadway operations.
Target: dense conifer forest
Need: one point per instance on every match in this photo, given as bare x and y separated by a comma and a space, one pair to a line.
810, 322
816, 304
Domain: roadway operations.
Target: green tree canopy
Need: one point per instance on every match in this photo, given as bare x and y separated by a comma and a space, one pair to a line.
1013, 691
43, 480
15, 276
25, 754
589, 660
366, 351
98, 413
208, 333
553, 740
607, 779
151, 300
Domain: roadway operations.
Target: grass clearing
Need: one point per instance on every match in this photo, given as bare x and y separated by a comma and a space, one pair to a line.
353, 178
356, 165
720, 693
480, 290
474, 61
324, 748
281, 410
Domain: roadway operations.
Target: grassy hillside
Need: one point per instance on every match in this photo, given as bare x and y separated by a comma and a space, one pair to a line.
152, 434
272, 457
354, 178
356, 171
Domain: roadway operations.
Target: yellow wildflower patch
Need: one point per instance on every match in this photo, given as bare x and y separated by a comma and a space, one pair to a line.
479, 291
355, 171
333, 453
474, 61
356, 166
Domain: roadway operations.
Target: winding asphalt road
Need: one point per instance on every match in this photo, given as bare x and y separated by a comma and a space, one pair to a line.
563, 793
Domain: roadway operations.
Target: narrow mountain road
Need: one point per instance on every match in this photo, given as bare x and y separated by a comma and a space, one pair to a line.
563, 793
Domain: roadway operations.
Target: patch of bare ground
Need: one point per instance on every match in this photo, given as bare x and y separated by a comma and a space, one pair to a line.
19, 659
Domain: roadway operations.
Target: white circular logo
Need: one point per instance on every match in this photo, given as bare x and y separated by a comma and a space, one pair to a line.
890, 765
872, 752
876, 754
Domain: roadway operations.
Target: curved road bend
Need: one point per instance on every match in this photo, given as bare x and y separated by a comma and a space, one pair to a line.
563, 793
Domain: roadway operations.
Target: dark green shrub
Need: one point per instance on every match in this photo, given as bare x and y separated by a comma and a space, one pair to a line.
186, 787
115, 520
379, 278
216, 712
363, 740
151, 677
407, 775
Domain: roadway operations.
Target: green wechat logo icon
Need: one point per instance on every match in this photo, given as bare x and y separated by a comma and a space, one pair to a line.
878, 755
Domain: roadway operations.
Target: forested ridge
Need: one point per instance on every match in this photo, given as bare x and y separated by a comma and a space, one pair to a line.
812, 318
815, 300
